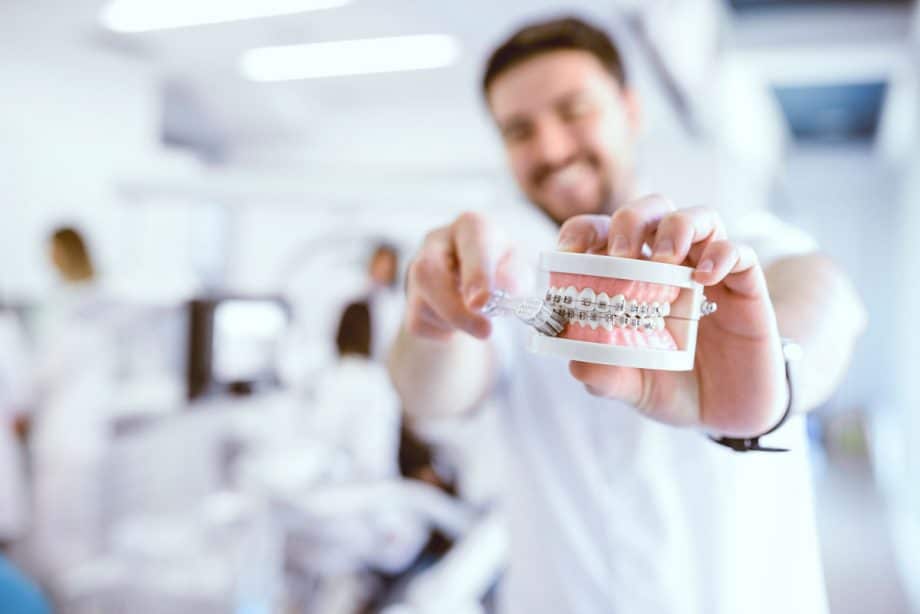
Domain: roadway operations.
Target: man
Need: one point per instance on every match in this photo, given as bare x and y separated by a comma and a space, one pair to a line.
617, 500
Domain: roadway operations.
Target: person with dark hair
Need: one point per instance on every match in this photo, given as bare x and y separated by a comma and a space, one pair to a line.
76, 368
617, 500
356, 405
354, 334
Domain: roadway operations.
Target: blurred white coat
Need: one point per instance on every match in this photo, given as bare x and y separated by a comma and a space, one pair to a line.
14, 397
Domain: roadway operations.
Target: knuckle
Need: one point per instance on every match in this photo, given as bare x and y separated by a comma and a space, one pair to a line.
747, 252
472, 219
663, 200
579, 221
627, 217
434, 236
425, 268
730, 251
675, 222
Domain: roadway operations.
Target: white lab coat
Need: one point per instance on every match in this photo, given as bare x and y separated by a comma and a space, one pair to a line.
386, 307
76, 376
358, 411
612, 513
14, 396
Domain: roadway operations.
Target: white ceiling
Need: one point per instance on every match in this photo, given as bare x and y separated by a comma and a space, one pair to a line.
259, 112
439, 110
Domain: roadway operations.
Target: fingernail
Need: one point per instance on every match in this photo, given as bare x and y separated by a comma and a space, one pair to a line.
620, 246
663, 249
472, 293
566, 244
705, 266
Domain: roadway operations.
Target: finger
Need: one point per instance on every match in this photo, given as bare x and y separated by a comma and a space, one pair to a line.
477, 248
423, 329
435, 285
677, 232
505, 276
735, 265
423, 322
632, 224
621, 383
584, 234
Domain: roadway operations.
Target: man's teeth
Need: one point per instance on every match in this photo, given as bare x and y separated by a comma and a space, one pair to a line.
569, 175
591, 308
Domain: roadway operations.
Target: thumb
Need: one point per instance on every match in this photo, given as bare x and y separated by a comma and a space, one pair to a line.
620, 383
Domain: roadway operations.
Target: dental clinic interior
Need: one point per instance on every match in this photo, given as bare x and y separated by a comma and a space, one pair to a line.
302, 310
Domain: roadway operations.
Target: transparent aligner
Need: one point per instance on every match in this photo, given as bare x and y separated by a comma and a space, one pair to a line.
613, 311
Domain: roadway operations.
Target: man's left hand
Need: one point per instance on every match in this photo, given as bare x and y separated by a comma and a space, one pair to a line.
737, 387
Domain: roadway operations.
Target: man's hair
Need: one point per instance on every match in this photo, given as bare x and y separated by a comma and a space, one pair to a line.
354, 334
554, 35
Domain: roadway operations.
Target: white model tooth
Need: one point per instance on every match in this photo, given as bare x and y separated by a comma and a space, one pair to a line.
654, 309
602, 303
632, 308
618, 304
643, 310
586, 300
659, 323
634, 322
665, 310
607, 323
622, 320
648, 324
569, 296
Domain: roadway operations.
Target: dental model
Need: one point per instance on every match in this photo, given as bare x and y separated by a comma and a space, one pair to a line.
621, 311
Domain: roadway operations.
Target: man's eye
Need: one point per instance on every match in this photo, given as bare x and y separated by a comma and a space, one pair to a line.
576, 110
517, 133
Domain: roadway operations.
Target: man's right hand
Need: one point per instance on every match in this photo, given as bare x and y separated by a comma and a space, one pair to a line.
451, 278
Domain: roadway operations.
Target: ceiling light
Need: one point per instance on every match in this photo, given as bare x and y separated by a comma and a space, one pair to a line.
353, 57
143, 15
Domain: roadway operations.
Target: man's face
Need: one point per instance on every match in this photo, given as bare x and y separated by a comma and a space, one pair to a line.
383, 267
569, 131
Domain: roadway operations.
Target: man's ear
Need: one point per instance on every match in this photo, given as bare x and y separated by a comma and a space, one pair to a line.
633, 107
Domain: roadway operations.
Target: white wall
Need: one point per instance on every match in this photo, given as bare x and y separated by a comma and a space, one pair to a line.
71, 118
851, 202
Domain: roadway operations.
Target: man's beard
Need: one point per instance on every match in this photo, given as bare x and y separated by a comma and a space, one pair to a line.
613, 193
606, 204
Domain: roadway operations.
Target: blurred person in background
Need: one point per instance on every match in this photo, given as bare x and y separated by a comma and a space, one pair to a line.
617, 500
15, 406
76, 368
385, 297
17, 593
356, 406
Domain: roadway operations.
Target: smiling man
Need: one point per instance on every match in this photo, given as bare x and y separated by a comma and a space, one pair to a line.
619, 501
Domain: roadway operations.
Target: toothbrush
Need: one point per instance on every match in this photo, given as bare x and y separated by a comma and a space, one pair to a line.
529, 310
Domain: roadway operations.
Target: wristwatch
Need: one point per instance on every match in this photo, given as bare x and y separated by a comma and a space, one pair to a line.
792, 352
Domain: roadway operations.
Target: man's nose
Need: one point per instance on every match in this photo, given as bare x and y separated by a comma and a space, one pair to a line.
553, 143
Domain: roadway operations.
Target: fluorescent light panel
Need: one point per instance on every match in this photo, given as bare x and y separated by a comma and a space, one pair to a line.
146, 15
353, 57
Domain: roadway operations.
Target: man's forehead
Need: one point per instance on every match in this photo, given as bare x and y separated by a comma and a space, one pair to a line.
545, 80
